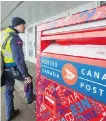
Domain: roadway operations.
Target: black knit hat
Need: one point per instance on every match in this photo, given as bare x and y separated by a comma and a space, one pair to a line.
17, 21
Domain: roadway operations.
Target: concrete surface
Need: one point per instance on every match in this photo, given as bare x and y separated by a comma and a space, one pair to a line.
27, 112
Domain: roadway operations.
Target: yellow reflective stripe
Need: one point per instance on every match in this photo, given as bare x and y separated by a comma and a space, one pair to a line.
8, 60
7, 53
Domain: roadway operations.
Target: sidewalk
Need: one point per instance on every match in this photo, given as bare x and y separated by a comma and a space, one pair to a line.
27, 112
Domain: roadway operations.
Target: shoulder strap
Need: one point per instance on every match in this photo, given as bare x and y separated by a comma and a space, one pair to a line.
5, 42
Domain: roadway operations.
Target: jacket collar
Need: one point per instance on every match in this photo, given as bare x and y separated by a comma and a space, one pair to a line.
14, 29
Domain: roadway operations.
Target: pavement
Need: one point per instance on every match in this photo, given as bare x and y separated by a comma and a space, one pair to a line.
27, 112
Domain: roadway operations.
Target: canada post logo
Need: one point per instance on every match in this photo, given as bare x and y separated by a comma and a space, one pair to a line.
87, 79
69, 74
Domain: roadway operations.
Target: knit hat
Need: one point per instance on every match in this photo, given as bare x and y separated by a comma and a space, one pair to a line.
17, 21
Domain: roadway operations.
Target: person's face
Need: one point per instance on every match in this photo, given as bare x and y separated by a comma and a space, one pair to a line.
21, 28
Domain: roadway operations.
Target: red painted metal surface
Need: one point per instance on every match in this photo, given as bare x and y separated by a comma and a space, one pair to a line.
86, 37
83, 17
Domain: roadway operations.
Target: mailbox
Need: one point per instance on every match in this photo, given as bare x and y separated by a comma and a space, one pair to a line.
71, 68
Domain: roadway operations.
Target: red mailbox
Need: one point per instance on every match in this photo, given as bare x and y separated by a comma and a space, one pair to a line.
71, 68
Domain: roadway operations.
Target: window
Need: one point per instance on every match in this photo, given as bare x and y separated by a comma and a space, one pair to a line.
32, 40
30, 48
24, 52
30, 30
102, 3
31, 53
35, 43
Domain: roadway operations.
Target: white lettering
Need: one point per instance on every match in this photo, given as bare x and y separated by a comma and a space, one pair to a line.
83, 71
104, 77
49, 63
89, 73
69, 117
93, 89
51, 73
82, 84
93, 74
96, 75
76, 96
88, 87
101, 92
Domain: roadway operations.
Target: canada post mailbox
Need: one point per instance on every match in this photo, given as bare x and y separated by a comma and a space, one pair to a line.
71, 68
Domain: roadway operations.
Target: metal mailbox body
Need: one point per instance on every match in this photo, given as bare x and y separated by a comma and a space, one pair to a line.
71, 68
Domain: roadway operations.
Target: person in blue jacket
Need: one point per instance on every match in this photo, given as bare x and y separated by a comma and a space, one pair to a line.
14, 58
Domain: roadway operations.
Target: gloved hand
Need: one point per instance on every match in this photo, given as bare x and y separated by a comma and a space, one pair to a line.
28, 80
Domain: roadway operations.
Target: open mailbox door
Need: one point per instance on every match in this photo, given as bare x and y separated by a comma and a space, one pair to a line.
71, 68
